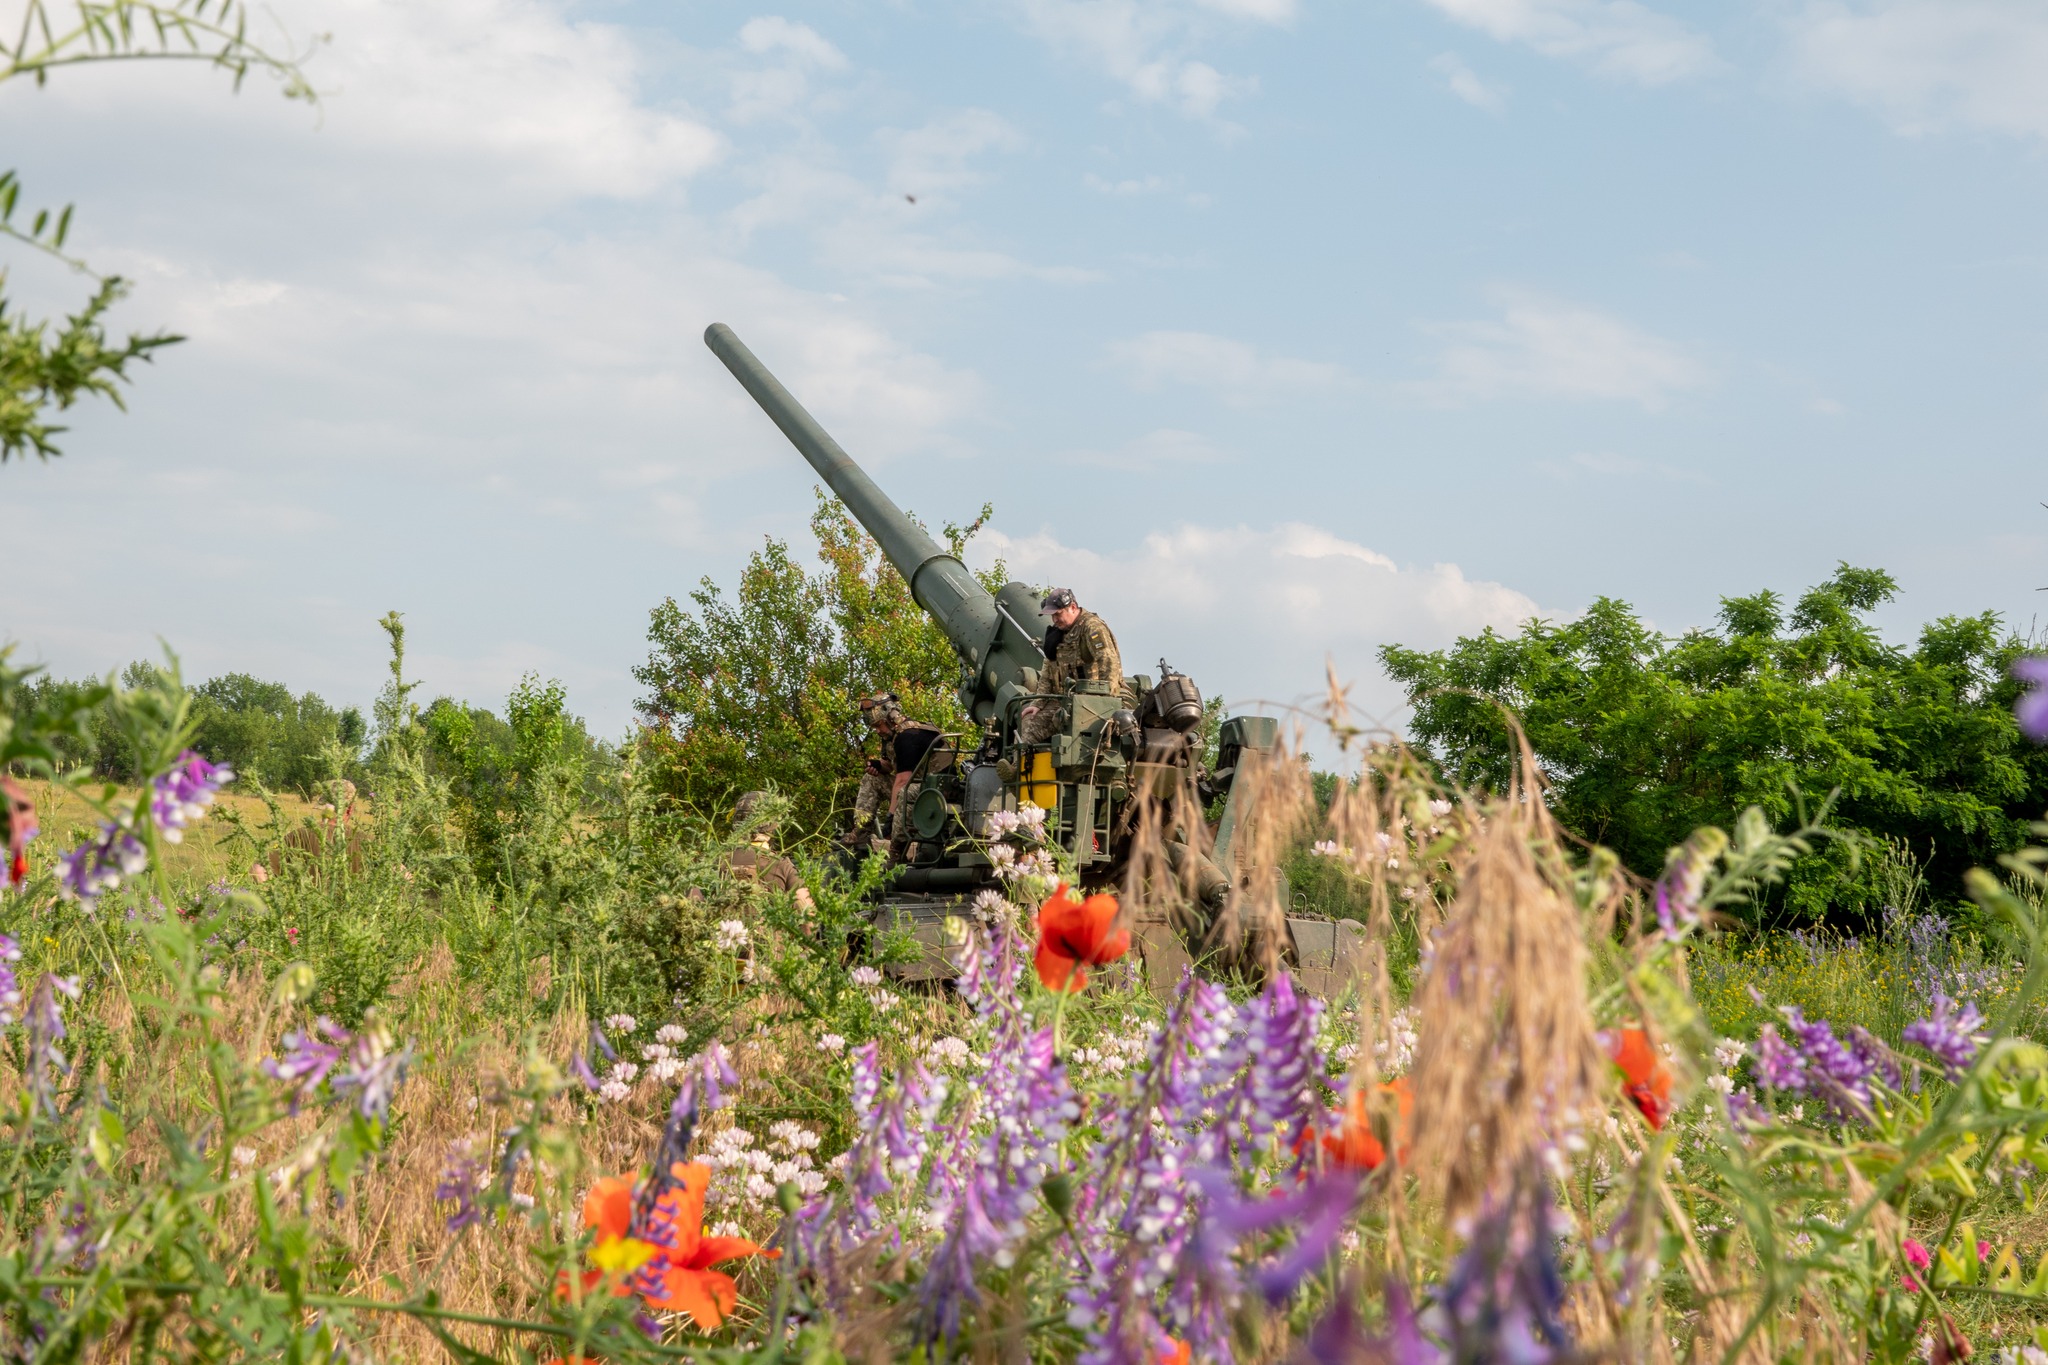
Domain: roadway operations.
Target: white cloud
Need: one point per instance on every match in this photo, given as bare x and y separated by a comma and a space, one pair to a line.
1253, 613
1618, 38
1145, 44
773, 33
1236, 372
1547, 348
1931, 64
1465, 83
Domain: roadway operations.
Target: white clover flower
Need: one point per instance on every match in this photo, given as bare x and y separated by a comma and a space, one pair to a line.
1031, 819
1439, 808
1728, 1052
832, 1043
524, 1201
732, 935
793, 1136
948, 1052
625, 1071
654, 1052
614, 1092
667, 1069
245, 1156
1721, 1085
885, 1002
1000, 856
671, 1034
729, 1228
760, 1188
620, 1023
865, 977
1001, 823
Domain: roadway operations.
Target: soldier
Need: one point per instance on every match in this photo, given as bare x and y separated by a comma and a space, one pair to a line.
904, 742
756, 860
1078, 648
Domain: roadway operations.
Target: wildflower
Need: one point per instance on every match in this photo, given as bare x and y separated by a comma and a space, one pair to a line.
1778, 1065
1503, 1297
1075, 934
1318, 1210
2031, 710
832, 1043
1326, 848
180, 796
46, 1032
580, 1069
1645, 1078
732, 936
625, 1071
1916, 1256
10, 985
1949, 1033
309, 1054
1728, 1052
18, 826
621, 1023
614, 1091
373, 1072
655, 1052
652, 1240
1685, 874
461, 1178
865, 977
100, 863
947, 1052
1354, 1144
665, 1069
671, 1033
884, 1002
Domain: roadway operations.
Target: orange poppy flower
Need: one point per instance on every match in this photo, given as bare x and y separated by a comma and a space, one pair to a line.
1180, 1353
1073, 935
1355, 1144
671, 1267
1645, 1078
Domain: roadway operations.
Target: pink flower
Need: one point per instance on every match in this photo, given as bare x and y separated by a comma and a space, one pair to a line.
1916, 1257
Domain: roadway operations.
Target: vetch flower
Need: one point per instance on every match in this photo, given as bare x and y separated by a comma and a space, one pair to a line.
1685, 874
309, 1054
461, 1178
1075, 934
1778, 1065
2031, 710
180, 796
100, 864
10, 985
1949, 1033
46, 1063
373, 1073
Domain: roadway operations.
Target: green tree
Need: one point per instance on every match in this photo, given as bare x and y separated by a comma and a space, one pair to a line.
44, 368
1645, 737
763, 690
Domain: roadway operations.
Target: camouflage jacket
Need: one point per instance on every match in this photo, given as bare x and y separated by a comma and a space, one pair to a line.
1086, 651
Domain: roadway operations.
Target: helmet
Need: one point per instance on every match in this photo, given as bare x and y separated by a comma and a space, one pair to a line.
881, 707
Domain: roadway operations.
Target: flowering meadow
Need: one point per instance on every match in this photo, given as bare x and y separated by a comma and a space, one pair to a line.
335, 1090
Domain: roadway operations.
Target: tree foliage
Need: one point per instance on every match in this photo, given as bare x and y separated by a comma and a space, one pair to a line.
762, 690
1645, 737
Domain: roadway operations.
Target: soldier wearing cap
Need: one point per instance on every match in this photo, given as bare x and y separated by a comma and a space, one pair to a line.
904, 742
1078, 648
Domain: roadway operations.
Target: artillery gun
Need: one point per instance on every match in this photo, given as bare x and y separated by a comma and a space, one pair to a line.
1090, 777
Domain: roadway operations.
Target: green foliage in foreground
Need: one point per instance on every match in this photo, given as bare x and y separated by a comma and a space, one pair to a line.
1646, 737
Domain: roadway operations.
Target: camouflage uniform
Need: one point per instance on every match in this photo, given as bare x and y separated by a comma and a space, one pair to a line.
879, 780
1087, 652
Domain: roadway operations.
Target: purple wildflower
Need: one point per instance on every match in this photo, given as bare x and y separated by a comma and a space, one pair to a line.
1951, 1034
1339, 1338
1778, 1065
461, 1179
1503, 1297
580, 1069
1835, 1071
99, 864
46, 1063
10, 985
1319, 1209
373, 1073
2031, 710
1282, 1066
180, 796
1685, 876
309, 1054
1744, 1111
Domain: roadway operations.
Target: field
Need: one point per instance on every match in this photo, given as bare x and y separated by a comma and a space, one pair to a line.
392, 1098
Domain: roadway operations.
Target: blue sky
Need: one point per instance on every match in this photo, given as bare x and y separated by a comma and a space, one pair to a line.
1280, 329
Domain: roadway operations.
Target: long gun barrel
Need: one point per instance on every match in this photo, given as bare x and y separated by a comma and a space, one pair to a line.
994, 643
